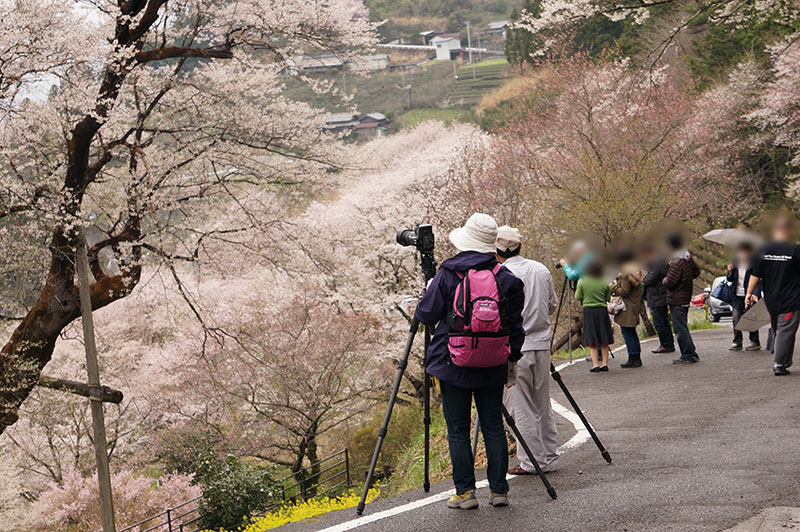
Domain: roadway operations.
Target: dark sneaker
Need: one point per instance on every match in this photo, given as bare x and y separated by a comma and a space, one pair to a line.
465, 501
735, 347
753, 347
603, 368
685, 360
780, 370
595, 369
662, 349
498, 499
632, 363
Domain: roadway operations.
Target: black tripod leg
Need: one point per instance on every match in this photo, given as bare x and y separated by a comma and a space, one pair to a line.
426, 483
475, 436
513, 426
398, 379
557, 376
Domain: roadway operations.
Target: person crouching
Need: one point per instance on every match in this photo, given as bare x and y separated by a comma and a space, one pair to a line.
476, 306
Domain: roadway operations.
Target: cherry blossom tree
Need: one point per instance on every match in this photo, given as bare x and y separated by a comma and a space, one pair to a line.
604, 149
293, 369
778, 110
75, 504
164, 126
555, 16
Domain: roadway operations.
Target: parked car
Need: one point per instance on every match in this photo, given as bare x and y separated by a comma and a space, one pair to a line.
716, 307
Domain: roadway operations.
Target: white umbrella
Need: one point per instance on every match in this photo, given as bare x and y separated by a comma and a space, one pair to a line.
732, 237
756, 317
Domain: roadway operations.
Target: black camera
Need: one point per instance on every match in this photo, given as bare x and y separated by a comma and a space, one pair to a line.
421, 238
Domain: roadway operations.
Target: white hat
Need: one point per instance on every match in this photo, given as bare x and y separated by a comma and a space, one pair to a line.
478, 234
508, 238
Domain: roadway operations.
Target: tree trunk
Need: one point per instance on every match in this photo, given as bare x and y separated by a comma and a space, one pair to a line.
31, 345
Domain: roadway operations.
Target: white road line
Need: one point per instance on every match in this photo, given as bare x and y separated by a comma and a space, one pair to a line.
580, 437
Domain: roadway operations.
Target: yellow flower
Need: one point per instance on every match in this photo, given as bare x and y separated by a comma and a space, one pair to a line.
291, 513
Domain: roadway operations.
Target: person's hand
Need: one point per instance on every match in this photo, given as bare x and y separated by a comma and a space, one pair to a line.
562, 262
749, 300
730, 267
511, 378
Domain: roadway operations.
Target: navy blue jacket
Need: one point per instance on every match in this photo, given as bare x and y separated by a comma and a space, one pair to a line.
437, 302
733, 277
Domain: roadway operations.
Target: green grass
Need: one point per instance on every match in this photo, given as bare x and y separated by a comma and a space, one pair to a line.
581, 352
702, 324
490, 62
417, 116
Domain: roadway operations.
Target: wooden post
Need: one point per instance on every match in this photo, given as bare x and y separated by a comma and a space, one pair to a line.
95, 389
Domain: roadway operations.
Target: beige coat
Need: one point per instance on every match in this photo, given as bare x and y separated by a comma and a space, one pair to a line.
629, 287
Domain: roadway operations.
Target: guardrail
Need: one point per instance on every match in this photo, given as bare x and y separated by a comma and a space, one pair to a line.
323, 477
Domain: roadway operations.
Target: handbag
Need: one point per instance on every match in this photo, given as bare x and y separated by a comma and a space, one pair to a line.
616, 305
724, 292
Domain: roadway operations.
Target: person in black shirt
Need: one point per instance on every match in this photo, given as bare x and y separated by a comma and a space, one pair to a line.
777, 266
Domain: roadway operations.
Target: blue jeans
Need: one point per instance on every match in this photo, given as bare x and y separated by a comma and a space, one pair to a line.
457, 406
680, 324
663, 328
631, 341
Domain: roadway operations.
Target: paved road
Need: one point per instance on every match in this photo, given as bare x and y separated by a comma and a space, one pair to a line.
699, 447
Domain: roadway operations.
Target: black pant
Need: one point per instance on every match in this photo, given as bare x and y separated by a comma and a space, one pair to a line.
738, 310
680, 324
663, 328
457, 406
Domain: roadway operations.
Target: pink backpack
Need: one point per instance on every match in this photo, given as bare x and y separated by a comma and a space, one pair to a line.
477, 325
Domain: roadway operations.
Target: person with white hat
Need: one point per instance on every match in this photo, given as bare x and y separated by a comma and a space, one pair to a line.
460, 381
529, 400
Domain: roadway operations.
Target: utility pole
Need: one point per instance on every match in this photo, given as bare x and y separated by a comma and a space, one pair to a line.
95, 389
480, 53
469, 44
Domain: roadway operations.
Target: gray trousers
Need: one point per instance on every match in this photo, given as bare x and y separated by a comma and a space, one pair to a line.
785, 329
529, 402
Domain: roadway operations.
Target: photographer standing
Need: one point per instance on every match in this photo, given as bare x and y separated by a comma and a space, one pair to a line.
529, 400
473, 353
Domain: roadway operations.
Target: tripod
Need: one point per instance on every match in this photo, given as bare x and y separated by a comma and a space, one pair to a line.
428, 265
557, 376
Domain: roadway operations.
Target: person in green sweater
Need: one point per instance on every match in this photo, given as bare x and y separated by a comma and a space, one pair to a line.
594, 294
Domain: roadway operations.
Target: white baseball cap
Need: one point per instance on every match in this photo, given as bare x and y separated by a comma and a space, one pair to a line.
478, 234
508, 238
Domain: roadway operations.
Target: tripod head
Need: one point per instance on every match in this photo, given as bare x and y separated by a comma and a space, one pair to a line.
422, 238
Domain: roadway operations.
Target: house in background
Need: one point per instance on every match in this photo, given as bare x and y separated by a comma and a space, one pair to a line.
448, 46
498, 28
340, 121
427, 37
369, 63
366, 127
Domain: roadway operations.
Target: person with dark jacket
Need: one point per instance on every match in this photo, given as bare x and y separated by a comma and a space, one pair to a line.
679, 281
655, 294
459, 384
777, 267
739, 272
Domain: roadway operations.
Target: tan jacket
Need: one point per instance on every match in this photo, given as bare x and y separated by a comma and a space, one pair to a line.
629, 287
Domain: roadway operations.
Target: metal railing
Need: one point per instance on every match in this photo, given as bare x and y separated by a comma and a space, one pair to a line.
331, 474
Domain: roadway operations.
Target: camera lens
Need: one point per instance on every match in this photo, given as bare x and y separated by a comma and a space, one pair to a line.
407, 237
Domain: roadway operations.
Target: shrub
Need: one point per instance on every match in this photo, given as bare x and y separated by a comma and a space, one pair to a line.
234, 489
